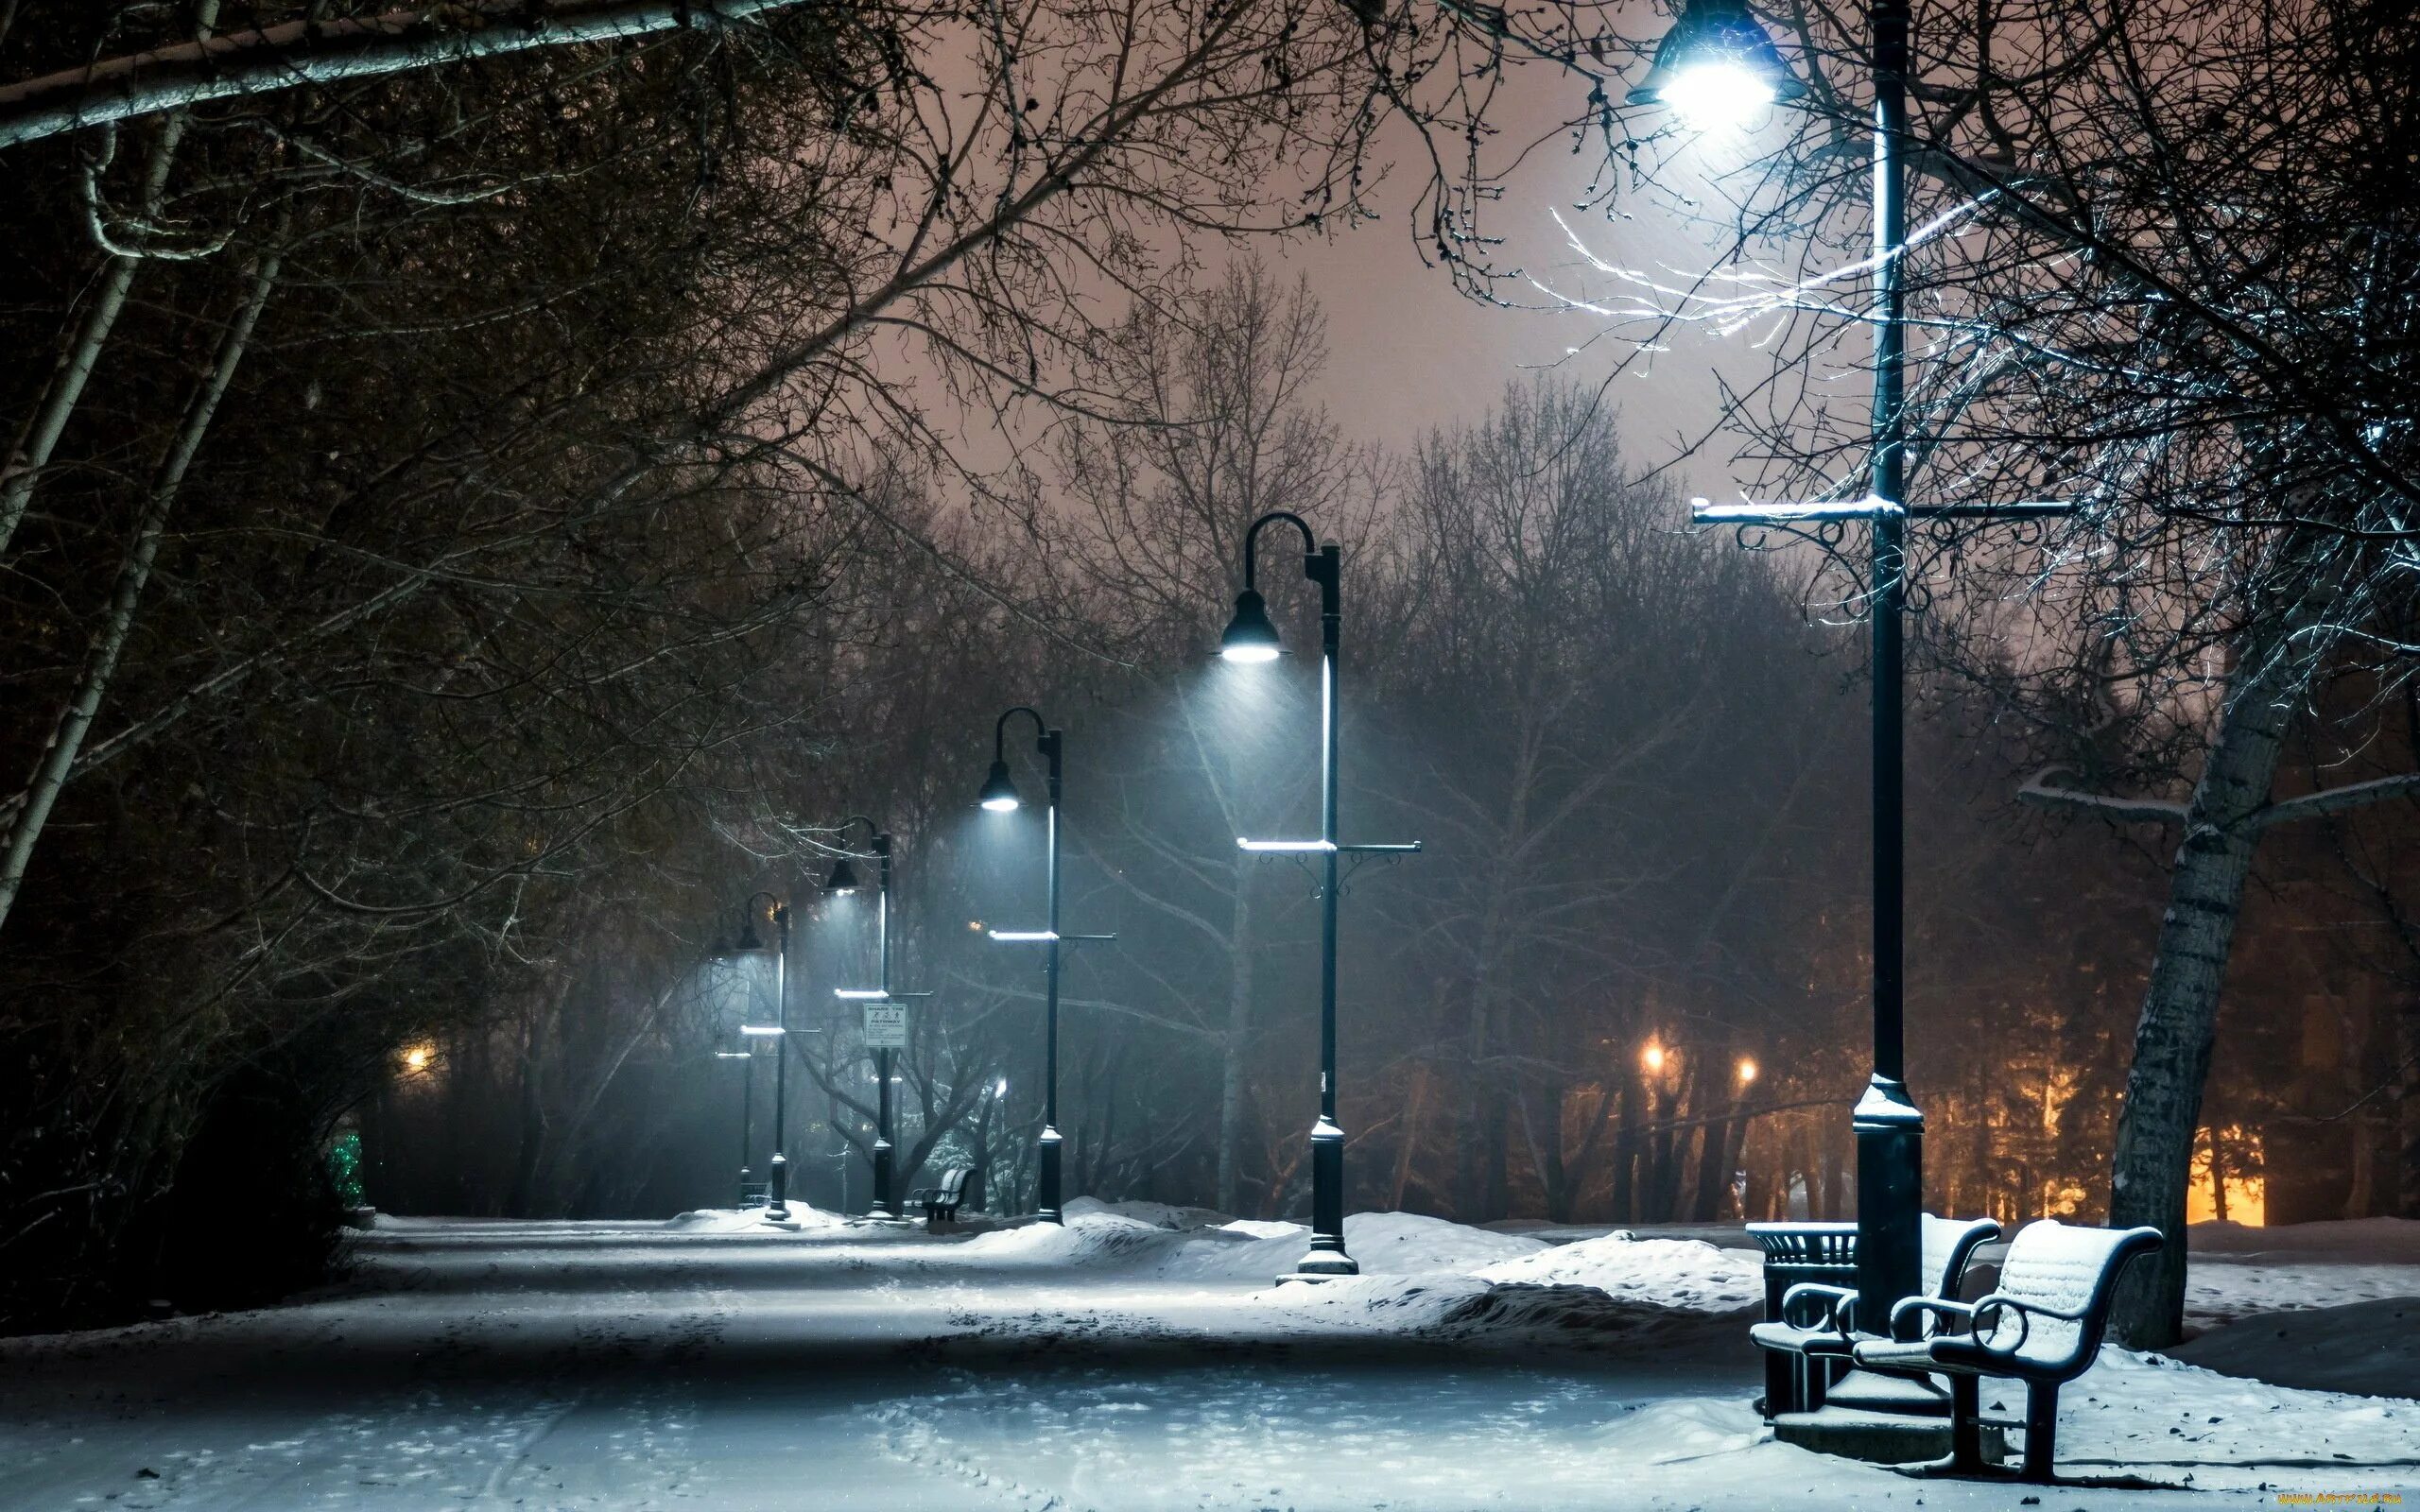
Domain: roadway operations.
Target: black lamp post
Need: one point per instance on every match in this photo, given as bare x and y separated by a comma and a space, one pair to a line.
844, 879
999, 795
751, 943
1718, 66
1250, 638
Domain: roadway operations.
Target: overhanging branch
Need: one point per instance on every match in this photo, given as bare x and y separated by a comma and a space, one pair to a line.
2040, 791
2335, 801
263, 60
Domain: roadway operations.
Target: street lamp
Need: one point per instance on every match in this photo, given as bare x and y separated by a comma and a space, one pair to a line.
892, 1033
1717, 68
751, 943
1718, 64
1252, 639
999, 795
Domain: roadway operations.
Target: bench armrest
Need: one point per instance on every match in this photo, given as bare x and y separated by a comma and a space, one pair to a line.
1908, 1309
1833, 1309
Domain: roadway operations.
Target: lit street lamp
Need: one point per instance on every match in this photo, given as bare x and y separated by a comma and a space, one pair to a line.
999, 795
844, 879
1717, 66
750, 943
1250, 638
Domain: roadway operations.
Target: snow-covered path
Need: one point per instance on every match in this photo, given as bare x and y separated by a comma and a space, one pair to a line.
534, 1365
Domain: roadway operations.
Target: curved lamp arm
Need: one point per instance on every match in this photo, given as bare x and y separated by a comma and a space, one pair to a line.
1041, 725
1251, 537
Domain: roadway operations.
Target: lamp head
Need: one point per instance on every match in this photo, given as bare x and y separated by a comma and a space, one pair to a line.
1250, 635
1000, 791
1718, 67
750, 943
844, 877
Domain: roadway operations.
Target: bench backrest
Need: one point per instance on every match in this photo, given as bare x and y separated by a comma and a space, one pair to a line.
953, 1184
2064, 1266
1948, 1243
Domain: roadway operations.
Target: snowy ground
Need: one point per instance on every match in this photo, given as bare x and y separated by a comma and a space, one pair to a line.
1138, 1359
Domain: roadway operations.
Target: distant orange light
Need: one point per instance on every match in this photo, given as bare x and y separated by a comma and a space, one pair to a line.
1652, 1056
417, 1058
1747, 1070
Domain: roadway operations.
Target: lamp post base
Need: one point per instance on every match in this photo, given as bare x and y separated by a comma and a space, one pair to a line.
747, 1179
778, 1205
1890, 1197
1047, 1206
1327, 1256
882, 1206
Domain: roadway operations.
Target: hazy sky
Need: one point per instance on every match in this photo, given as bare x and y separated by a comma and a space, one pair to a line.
1407, 352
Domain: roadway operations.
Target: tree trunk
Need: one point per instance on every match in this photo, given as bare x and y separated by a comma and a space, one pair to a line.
2151, 1168
1714, 1172
2408, 1107
134, 573
1625, 1199
59, 396
1407, 1147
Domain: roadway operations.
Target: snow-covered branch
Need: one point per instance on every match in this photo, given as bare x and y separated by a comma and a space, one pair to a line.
2335, 801
2040, 790
266, 59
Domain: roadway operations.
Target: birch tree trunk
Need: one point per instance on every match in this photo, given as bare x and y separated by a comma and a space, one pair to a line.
2152, 1167
134, 573
66, 389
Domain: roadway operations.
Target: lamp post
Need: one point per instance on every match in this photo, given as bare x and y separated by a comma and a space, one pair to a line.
1717, 66
844, 881
750, 943
999, 795
1250, 638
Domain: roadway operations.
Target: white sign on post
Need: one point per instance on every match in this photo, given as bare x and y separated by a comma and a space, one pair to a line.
885, 1026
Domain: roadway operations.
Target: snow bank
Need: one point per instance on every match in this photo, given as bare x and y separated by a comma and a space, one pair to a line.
1385, 1244
2222, 1291
1265, 1228
2154, 1411
753, 1220
2367, 1347
1086, 1239
1158, 1214
1684, 1274
2356, 1241
1405, 1244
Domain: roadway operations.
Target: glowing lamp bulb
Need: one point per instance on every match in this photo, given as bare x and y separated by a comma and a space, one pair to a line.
1000, 794
1719, 96
1652, 1058
1251, 636
1747, 1070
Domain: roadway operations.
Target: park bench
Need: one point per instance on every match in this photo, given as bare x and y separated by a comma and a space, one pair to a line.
2042, 1325
1810, 1298
941, 1203
754, 1194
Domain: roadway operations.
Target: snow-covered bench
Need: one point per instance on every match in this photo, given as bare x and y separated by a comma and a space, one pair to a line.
1811, 1324
941, 1203
2042, 1326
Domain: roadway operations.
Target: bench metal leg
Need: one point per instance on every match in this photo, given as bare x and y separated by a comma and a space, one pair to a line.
2041, 1430
1781, 1383
1966, 1423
